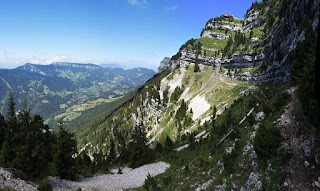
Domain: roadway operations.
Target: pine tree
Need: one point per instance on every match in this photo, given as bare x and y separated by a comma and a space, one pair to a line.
2, 130
214, 116
63, 161
168, 144
158, 147
140, 153
151, 184
22, 147
196, 67
317, 67
112, 157
86, 159
7, 151
284, 7
251, 34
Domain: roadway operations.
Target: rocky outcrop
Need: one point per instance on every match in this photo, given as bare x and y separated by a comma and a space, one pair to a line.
206, 60
167, 63
164, 64
281, 38
253, 20
216, 35
224, 25
274, 73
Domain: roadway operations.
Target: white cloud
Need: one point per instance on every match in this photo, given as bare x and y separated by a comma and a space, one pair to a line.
171, 8
140, 3
132, 2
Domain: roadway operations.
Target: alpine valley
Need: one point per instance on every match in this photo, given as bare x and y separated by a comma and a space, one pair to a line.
235, 109
63, 91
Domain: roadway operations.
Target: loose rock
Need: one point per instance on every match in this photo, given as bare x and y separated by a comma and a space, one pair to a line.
306, 164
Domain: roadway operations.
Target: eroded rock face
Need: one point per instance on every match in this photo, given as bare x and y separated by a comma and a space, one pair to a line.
216, 35
164, 64
251, 16
281, 39
206, 60
224, 25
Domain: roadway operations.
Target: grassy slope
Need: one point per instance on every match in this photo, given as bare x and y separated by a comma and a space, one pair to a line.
193, 167
209, 83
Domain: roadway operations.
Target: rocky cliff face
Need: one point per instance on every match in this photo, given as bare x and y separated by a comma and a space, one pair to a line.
271, 31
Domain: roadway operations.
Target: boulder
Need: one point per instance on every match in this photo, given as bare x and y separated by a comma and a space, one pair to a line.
260, 116
317, 184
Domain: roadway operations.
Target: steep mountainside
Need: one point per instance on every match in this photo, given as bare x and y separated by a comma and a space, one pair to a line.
62, 91
211, 92
260, 48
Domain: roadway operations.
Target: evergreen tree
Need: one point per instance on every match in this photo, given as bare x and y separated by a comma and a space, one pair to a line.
2, 130
158, 147
140, 153
196, 67
214, 116
112, 157
63, 161
98, 160
7, 151
317, 67
124, 155
86, 159
284, 8
168, 144
270, 20
151, 184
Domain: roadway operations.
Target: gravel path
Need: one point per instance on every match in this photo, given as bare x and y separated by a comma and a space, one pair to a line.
131, 178
298, 175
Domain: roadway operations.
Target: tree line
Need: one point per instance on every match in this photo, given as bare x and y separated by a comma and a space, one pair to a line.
27, 144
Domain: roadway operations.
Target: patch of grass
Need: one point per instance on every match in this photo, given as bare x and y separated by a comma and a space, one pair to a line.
212, 43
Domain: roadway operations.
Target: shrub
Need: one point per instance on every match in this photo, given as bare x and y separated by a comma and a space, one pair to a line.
45, 186
196, 68
150, 184
267, 141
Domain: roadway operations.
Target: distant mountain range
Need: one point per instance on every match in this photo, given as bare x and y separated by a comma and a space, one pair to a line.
113, 66
61, 90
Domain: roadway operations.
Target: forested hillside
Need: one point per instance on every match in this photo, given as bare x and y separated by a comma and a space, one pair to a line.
62, 91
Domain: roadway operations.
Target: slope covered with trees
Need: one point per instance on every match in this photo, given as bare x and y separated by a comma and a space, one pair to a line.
63, 91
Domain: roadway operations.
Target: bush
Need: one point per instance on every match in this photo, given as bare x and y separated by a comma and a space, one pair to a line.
267, 141
279, 100
150, 184
45, 186
196, 68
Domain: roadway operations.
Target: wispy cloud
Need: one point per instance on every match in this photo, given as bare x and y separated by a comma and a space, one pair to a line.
132, 2
137, 2
171, 8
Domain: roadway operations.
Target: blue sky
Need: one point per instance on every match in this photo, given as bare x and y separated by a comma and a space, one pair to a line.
128, 32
